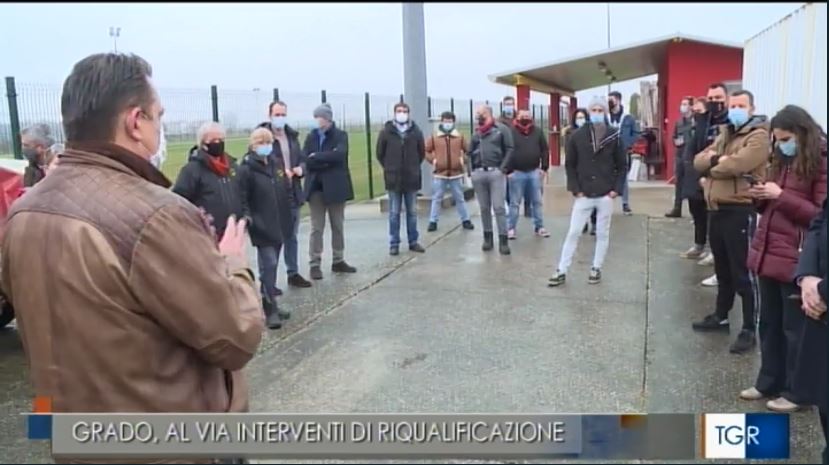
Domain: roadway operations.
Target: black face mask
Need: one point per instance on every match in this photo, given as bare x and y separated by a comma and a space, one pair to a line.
611, 104
526, 121
698, 117
215, 149
715, 108
481, 120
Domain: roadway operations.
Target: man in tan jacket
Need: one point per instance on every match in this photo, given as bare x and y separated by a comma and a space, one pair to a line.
731, 165
446, 150
127, 304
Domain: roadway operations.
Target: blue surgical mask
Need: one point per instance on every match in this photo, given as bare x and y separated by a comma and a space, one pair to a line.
509, 110
788, 148
264, 150
597, 118
580, 122
447, 127
278, 122
738, 116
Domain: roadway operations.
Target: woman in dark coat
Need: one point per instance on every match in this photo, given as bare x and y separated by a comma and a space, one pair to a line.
787, 202
265, 203
581, 118
690, 188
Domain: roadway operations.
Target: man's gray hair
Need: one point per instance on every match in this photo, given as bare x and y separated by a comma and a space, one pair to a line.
209, 126
40, 133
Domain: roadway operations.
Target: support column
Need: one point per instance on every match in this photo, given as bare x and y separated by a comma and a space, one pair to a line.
555, 129
414, 74
522, 97
574, 105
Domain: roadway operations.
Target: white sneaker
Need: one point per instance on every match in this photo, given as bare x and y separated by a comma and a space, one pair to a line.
710, 281
707, 260
751, 394
783, 405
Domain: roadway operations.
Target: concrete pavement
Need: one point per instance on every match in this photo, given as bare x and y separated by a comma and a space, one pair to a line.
459, 330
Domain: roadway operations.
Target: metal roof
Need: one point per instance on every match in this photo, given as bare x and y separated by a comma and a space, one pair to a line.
597, 69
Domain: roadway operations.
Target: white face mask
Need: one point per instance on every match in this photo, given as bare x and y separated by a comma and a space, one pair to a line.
579, 122
157, 159
401, 117
684, 109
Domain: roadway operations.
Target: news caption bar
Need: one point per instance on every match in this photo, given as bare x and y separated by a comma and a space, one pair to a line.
412, 436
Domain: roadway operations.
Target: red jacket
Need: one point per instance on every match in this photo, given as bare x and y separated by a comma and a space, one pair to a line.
776, 245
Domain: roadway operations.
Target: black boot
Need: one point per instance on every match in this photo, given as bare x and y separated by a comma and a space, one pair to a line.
488, 244
272, 320
503, 244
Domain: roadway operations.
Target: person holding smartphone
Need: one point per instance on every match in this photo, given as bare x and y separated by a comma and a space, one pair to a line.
787, 202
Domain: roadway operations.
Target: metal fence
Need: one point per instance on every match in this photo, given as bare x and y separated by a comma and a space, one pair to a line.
239, 111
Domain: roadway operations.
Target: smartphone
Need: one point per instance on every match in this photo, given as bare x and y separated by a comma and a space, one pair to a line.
750, 179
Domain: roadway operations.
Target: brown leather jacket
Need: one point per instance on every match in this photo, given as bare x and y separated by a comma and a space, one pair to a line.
123, 301
446, 153
746, 152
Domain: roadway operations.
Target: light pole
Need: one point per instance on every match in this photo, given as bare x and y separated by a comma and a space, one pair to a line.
414, 77
114, 32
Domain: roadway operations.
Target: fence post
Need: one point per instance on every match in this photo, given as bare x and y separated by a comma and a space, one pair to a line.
214, 100
368, 147
275, 94
542, 120
533, 112
500, 107
429, 107
323, 97
14, 117
401, 98
471, 118
452, 105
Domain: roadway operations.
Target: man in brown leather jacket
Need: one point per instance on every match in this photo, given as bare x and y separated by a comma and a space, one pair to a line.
127, 304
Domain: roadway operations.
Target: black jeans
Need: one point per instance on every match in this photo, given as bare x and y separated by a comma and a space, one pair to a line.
679, 176
781, 322
699, 212
731, 230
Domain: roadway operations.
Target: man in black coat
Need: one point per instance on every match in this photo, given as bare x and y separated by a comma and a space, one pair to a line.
813, 363
288, 153
400, 151
208, 180
327, 187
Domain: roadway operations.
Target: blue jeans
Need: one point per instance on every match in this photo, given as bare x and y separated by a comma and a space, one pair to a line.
396, 200
439, 186
268, 258
529, 182
291, 248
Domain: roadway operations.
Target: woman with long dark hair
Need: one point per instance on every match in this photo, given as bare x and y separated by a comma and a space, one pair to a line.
788, 202
581, 118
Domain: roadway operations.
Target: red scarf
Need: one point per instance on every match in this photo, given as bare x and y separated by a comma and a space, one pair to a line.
525, 130
484, 128
219, 165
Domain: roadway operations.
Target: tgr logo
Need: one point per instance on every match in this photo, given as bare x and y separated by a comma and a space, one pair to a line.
741, 436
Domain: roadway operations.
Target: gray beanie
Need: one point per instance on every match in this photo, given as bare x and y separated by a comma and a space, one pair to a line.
324, 111
598, 101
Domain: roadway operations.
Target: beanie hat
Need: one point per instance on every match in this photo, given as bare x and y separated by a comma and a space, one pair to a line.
598, 101
324, 111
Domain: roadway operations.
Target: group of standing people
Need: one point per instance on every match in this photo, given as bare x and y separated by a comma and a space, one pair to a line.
268, 187
733, 167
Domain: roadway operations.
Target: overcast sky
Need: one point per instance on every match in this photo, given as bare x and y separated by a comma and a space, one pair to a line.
348, 47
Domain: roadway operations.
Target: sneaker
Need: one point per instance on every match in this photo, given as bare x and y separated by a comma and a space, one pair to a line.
296, 280
745, 342
557, 279
707, 260
584, 231
316, 273
710, 281
278, 291
626, 210
782, 405
394, 251
673, 214
592, 230
468, 225
542, 232
433, 226
694, 253
343, 267
273, 321
595, 276
416, 248
751, 394
711, 322
511, 234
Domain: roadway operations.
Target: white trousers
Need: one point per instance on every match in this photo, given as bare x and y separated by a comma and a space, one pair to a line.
582, 208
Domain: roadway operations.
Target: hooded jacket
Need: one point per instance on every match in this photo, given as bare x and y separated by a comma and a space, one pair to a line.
735, 152
595, 167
